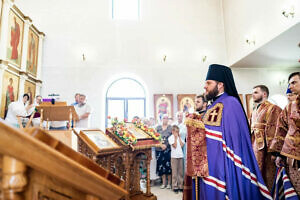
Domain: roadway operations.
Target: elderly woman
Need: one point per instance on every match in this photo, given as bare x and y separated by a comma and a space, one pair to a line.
17, 109
163, 154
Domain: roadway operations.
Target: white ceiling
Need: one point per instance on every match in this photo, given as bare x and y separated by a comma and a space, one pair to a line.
281, 52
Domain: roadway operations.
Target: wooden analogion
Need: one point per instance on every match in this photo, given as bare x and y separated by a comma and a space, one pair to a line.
120, 157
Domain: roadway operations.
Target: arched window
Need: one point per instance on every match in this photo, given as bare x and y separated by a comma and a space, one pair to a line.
125, 98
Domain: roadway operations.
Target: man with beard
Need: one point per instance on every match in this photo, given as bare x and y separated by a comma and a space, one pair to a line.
83, 111
263, 124
286, 145
233, 172
200, 104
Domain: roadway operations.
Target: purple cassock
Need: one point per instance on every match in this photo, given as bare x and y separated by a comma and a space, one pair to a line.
233, 169
283, 188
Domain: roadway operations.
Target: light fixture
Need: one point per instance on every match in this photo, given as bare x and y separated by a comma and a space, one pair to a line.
250, 40
289, 12
204, 58
83, 57
283, 82
164, 58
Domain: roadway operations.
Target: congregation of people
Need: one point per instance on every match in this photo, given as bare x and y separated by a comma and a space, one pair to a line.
239, 157
19, 112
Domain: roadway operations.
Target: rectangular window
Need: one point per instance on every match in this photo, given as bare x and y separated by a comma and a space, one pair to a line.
125, 108
116, 108
135, 108
126, 9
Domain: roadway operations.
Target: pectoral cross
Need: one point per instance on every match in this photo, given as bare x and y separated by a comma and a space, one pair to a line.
213, 116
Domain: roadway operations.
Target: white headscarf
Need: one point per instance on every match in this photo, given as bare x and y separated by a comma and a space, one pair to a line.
16, 108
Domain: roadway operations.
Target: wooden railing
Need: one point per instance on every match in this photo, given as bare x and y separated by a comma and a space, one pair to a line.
36, 166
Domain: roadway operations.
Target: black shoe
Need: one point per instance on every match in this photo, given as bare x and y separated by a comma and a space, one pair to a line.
176, 191
180, 190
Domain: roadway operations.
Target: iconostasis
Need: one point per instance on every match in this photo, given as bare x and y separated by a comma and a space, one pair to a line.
20, 55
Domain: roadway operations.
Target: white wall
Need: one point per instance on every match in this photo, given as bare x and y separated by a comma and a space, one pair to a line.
183, 30
156, 81
275, 79
262, 19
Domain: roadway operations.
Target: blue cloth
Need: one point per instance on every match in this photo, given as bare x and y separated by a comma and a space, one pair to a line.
58, 128
288, 91
74, 104
233, 169
282, 187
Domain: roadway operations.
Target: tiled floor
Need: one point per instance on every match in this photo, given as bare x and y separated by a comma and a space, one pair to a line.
165, 194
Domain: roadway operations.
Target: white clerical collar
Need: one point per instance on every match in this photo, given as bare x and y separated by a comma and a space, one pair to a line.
216, 97
220, 94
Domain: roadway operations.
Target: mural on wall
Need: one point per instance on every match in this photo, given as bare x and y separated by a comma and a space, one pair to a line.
15, 38
32, 52
163, 104
29, 88
10, 89
186, 102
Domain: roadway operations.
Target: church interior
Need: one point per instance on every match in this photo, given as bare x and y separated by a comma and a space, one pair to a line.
133, 62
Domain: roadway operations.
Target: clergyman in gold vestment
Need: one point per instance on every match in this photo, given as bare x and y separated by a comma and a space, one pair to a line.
286, 143
263, 124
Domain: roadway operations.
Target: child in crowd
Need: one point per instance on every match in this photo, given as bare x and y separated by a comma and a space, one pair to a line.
176, 159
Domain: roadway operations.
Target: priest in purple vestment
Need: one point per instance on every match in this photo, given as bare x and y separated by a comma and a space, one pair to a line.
233, 172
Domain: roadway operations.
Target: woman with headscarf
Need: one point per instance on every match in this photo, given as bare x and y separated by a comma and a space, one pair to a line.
17, 109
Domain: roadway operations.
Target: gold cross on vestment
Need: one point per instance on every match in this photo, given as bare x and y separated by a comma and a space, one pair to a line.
213, 115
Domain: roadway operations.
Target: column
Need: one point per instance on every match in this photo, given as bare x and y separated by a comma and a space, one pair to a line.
148, 191
127, 178
137, 178
14, 178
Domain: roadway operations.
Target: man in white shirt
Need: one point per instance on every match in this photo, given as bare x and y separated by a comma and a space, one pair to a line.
176, 159
181, 125
83, 111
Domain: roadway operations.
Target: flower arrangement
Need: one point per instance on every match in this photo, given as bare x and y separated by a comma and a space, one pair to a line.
146, 129
121, 131
113, 121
